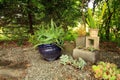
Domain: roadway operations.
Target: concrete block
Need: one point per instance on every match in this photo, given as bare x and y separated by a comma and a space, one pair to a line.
81, 41
86, 55
68, 48
92, 42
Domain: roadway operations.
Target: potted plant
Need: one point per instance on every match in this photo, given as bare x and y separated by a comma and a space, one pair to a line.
69, 41
81, 39
49, 39
94, 21
92, 24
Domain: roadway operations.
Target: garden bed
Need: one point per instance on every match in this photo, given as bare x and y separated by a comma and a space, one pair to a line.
25, 63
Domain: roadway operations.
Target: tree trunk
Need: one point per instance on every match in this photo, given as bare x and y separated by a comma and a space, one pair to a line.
107, 32
108, 22
30, 19
30, 23
108, 26
83, 17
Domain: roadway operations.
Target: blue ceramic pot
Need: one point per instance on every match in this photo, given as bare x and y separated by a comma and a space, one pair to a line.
50, 52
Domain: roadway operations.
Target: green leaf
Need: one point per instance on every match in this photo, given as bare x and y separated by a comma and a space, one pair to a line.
90, 19
112, 78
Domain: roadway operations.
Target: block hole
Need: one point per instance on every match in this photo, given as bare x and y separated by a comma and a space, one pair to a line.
91, 42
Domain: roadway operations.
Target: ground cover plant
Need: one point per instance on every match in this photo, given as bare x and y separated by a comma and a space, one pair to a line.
68, 60
106, 71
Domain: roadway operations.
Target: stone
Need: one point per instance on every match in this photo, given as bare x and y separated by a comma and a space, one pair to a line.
84, 54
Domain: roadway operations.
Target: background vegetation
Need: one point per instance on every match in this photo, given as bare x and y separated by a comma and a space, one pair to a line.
18, 17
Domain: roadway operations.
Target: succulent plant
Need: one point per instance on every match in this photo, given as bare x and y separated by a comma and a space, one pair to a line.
65, 59
77, 63
106, 71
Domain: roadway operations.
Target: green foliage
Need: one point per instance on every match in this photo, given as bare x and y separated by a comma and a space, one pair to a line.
68, 60
94, 21
91, 48
1, 1
106, 71
90, 19
110, 23
70, 35
80, 63
4, 38
14, 32
65, 59
47, 34
62, 11
118, 41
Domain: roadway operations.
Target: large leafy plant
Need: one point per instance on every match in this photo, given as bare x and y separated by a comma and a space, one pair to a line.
48, 34
90, 19
70, 35
95, 20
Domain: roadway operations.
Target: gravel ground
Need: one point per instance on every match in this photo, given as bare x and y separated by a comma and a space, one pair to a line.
29, 65
25, 63
44, 70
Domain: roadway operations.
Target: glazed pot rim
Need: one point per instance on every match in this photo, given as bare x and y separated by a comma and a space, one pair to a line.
46, 44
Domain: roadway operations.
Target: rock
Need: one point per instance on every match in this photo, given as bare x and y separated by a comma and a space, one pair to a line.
86, 55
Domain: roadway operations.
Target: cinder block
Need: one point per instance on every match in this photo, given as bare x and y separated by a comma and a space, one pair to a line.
68, 48
86, 55
81, 41
92, 42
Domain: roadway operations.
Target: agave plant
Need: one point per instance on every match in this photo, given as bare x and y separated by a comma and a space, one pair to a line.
48, 34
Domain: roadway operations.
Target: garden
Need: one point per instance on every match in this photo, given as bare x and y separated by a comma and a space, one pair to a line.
54, 40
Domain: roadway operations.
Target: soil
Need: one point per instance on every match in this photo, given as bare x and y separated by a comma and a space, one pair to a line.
25, 63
